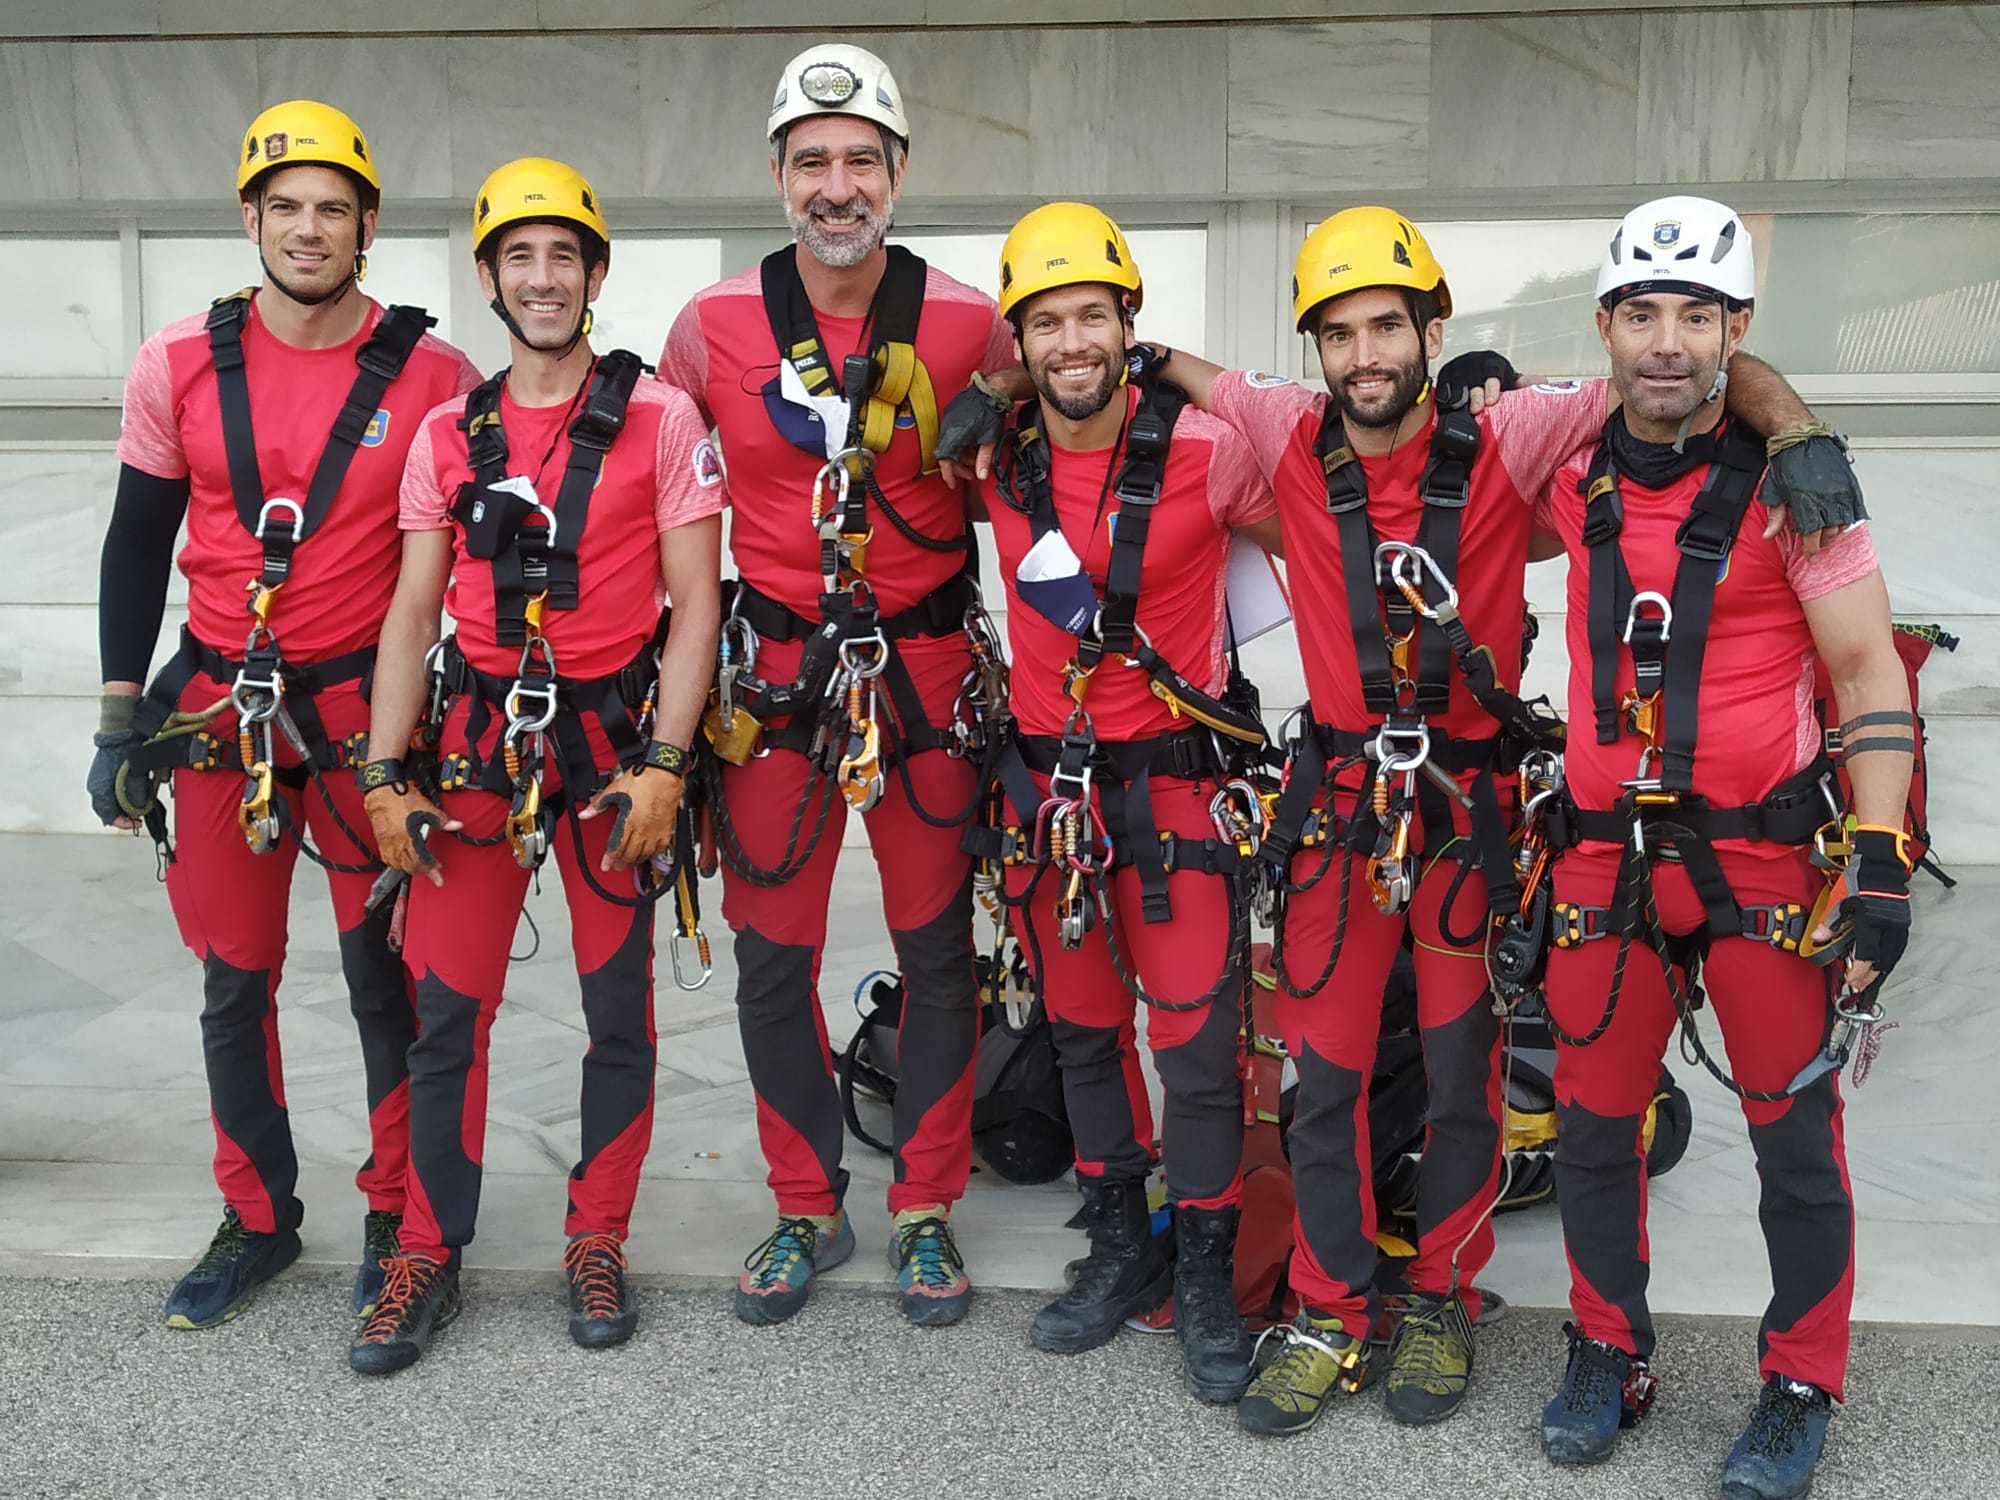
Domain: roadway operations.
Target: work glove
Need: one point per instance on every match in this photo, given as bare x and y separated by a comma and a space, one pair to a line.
1812, 475
1877, 903
1143, 361
972, 420
644, 800
1473, 371
115, 740
403, 818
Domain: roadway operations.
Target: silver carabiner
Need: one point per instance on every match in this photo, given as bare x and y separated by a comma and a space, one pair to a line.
1418, 561
1647, 596
850, 655
519, 721
256, 699
702, 958
269, 506
1392, 760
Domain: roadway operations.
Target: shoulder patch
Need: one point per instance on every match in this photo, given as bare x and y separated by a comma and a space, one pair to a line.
707, 464
1261, 380
378, 429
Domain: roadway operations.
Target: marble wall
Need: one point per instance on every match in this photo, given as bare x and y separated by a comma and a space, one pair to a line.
1451, 96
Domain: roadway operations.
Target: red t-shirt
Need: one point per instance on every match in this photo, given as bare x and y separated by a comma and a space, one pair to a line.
661, 472
1211, 485
721, 352
1755, 712
343, 574
1523, 437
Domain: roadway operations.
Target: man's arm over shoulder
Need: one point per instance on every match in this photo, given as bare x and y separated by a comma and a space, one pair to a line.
1535, 427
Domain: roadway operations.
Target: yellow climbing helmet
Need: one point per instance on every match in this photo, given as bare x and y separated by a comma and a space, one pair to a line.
1065, 244
304, 132
535, 189
1361, 247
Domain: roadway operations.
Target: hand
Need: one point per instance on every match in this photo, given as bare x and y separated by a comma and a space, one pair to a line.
1811, 475
115, 740
1144, 361
1474, 381
645, 800
971, 424
1877, 904
402, 818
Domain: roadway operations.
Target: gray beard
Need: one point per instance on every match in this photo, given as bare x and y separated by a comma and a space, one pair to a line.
839, 251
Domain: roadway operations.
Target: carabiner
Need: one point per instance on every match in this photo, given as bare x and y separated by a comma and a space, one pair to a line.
703, 958
1392, 760
519, 720
1418, 561
277, 504
1666, 621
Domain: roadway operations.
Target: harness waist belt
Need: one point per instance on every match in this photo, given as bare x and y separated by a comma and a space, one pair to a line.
940, 612
1792, 813
1189, 754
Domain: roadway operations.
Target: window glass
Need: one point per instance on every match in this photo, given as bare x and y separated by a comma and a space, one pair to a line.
651, 279
67, 321
181, 274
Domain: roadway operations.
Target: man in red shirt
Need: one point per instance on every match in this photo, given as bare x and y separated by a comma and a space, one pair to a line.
1397, 793
1700, 790
276, 425
1113, 506
845, 659
552, 511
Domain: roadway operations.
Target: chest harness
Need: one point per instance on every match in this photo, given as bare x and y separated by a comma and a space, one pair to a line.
266, 690
1222, 739
1659, 817
849, 661
1410, 641
531, 547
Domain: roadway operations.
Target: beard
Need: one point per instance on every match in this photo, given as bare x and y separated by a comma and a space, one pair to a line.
1406, 383
1671, 405
1082, 405
845, 249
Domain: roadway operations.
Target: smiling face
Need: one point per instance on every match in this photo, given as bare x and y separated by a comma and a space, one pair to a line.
840, 187
543, 279
309, 227
1374, 357
1072, 343
1665, 351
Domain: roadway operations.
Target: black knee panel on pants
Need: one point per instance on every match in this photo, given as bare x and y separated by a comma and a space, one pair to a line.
378, 995
1806, 1210
237, 1053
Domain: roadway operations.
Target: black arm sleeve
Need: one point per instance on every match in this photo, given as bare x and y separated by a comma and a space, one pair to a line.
132, 575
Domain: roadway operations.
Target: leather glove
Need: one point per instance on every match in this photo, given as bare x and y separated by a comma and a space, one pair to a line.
402, 818
1811, 474
115, 740
971, 420
644, 801
1878, 898
1460, 377
1143, 361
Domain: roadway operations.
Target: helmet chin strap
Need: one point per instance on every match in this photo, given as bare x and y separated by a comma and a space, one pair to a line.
1715, 390
499, 306
347, 283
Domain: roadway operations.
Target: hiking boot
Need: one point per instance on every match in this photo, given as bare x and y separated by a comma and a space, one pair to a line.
778, 1274
1604, 1389
600, 1305
1774, 1458
1125, 1273
932, 1288
1318, 1359
225, 1279
419, 1297
1430, 1363
1215, 1347
381, 1242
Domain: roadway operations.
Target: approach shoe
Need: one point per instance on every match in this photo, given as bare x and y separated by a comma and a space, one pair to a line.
1318, 1360
1604, 1389
1430, 1363
600, 1304
932, 1288
1774, 1458
419, 1297
778, 1274
381, 1242
227, 1276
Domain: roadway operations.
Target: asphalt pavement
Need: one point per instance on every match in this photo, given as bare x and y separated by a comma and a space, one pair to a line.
97, 1398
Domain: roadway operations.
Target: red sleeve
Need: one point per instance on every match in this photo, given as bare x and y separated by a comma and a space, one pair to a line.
1264, 410
686, 466
1849, 556
421, 504
999, 346
149, 439
684, 359
468, 376
1534, 429
1238, 493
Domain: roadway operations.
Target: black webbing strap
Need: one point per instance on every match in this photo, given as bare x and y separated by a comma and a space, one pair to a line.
281, 526
527, 562
1667, 653
893, 315
940, 612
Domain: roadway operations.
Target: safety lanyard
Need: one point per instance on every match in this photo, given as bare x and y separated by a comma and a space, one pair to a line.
281, 524
1667, 637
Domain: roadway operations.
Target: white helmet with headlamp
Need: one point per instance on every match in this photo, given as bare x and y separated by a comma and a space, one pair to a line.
836, 79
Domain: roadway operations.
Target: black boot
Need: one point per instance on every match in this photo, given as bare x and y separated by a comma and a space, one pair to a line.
1125, 1273
1215, 1347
